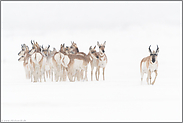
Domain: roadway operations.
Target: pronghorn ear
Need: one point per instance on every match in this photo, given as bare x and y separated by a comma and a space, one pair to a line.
94, 47
150, 50
104, 43
90, 48
98, 43
157, 50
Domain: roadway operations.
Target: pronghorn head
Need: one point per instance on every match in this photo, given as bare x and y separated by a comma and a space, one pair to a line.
23, 46
35, 46
46, 50
154, 54
73, 48
21, 58
101, 47
73, 44
62, 48
67, 50
23, 51
93, 52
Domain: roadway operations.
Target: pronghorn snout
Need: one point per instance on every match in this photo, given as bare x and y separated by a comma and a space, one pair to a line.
153, 60
103, 51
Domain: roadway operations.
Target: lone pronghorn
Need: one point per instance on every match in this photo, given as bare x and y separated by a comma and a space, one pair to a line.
149, 64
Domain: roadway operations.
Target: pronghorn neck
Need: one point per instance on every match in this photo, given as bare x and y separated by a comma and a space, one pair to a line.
101, 54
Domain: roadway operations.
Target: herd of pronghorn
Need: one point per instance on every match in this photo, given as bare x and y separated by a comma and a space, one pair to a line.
41, 62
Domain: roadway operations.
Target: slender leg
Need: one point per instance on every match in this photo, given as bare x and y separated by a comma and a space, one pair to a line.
155, 77
148, 76
98, 73
142, 74
92, 73
103, 73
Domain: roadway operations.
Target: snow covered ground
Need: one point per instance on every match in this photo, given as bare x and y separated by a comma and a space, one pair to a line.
128, 28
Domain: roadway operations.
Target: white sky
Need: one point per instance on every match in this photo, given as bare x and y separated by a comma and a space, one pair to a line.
44, 17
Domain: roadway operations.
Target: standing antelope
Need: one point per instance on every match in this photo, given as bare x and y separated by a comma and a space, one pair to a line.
25, 57
149, 64
48, 69
37, 61
102, 61
78, 63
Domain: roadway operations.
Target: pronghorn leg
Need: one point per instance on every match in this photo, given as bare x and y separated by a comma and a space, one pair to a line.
70, 76
103, 73
92, 73
98, 73
44, 76
77, 75
148, 76
86, 78
142, 74
155, 77
51, 72
64, 74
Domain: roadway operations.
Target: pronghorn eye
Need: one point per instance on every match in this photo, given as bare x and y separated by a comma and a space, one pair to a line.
99, 46
93, 52
71, 46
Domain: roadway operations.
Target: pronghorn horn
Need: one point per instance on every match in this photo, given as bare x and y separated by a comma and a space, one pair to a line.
31, 42
64, 45
98, 43
150, 49
48, 46
94, 47
157, 50
104, 42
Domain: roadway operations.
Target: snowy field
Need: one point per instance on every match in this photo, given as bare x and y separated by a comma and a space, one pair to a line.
128, 29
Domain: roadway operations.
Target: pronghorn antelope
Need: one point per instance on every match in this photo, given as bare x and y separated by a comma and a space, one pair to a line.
48, 69
73, 48
94, 61
102, 61
78, 63
37, 61
25, 57
149, 64
40, 62
58, 66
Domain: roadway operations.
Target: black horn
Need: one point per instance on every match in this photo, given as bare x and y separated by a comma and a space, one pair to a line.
157, 50
31, 42
150, 49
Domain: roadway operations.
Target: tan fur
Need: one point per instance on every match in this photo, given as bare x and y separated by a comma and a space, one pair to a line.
149, 67
102, 60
